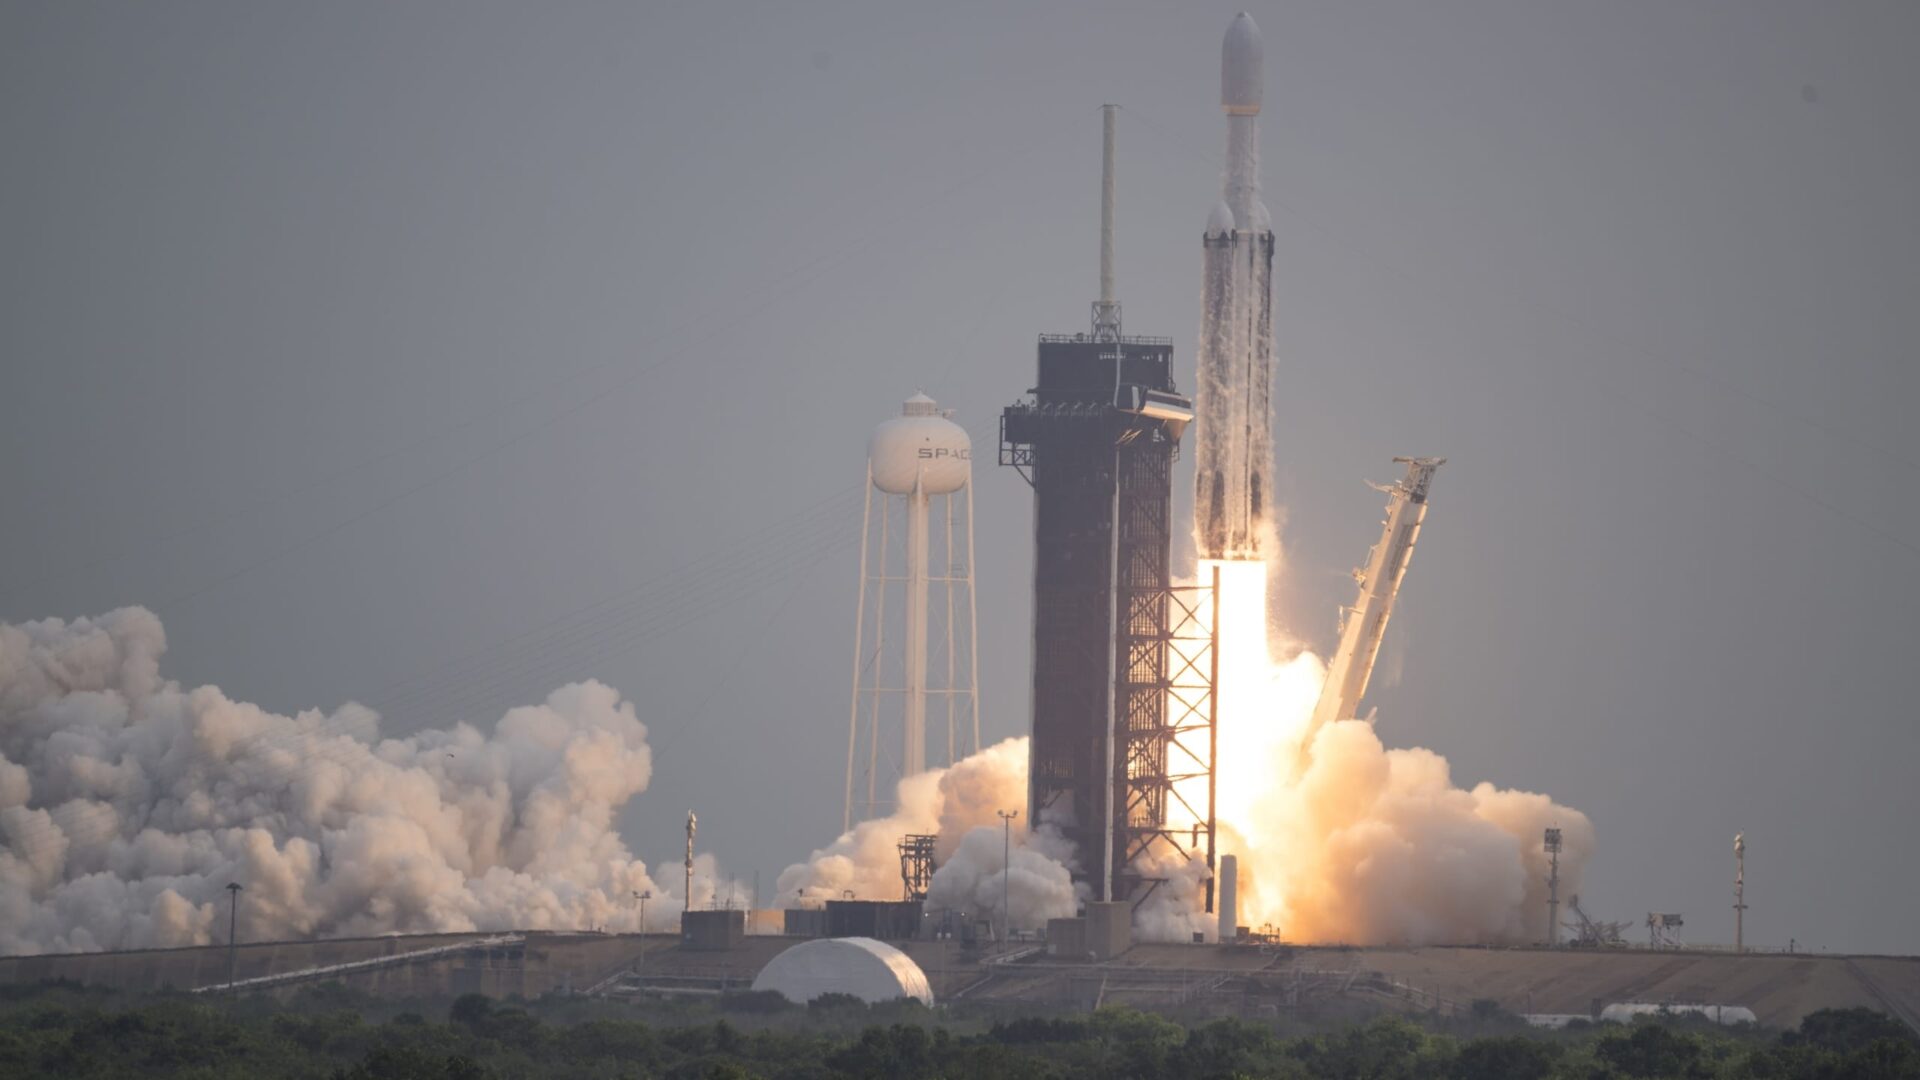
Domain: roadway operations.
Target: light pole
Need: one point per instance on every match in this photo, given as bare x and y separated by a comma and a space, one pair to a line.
233, 923
1006, 871
643, 897
1739, 892
1552, 848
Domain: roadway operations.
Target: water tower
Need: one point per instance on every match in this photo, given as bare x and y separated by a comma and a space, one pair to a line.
920, 465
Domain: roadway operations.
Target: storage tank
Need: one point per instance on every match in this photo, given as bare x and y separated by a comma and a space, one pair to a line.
920, 444
870, 970
1624, 1012
1227, 902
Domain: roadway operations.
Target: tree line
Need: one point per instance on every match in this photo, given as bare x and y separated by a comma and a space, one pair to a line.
332, 1033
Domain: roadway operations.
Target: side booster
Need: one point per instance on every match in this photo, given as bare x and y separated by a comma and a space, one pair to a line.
1233, 502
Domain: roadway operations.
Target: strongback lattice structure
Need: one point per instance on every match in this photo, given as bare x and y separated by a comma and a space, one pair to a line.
916, 864
1117, 708
1170, 666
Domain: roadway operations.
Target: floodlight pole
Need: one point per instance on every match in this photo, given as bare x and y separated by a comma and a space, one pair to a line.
1552, 846
643, 896
233, 923
1739, 892
1006, 872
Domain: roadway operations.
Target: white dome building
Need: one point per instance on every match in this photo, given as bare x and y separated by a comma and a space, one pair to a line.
870, 970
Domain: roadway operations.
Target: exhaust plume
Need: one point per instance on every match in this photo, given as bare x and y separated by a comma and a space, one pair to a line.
1342, 839
128, 802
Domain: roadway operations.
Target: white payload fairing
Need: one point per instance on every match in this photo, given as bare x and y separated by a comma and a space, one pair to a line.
1233, 498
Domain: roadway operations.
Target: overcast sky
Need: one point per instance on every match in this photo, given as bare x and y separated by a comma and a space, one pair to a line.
384, 348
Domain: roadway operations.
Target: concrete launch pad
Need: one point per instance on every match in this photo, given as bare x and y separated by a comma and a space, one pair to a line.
1242, 980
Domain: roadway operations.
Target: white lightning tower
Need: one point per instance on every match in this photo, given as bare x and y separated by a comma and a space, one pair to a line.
912, 460
1739, 892
1106, 310
691, 822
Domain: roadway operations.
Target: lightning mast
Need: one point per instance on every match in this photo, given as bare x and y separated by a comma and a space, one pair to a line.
1739, 892
1552, 847
691, 821
1365, 623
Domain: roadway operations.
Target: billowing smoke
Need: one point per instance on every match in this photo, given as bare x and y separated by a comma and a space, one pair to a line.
127, 803
1342, 839
960, 806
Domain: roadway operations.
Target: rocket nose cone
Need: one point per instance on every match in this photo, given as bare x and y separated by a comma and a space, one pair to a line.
1242, 56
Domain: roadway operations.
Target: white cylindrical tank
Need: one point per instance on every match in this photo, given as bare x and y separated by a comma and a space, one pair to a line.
922, 445
870, 970
1227, 899
1624, 1012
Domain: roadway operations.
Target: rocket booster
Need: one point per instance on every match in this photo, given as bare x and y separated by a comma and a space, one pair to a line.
1233, 508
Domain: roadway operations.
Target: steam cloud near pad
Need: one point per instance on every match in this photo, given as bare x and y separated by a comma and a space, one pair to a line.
959, 805
1340, 838
128, 802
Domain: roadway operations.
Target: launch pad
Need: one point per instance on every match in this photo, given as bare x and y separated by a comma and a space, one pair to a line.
1302, 981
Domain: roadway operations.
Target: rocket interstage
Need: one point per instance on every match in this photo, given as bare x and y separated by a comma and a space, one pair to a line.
1233, 504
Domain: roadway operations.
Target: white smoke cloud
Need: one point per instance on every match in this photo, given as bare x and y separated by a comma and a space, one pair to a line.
1176, 908
127, 803
1372, 845
1027, 873
960, 806
1342, 839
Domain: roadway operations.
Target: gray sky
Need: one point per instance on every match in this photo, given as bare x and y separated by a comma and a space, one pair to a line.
356, 339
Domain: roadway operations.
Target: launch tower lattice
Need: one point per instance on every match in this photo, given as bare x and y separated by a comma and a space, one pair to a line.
1122, 658
916, 864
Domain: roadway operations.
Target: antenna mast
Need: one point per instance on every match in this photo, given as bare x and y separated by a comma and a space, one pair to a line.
1106, 310
1553, 887
1739, 892
689, 894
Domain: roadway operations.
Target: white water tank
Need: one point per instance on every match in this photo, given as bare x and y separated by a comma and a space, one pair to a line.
870, 970
920, 443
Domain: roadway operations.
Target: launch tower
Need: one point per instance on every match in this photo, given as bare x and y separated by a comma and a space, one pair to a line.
1113, 697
